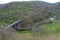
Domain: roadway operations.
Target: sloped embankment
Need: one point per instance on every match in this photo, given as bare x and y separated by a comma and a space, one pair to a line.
8, 34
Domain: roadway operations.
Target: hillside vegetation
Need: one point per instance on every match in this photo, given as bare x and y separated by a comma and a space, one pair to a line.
53, 28
35, 14
33, 11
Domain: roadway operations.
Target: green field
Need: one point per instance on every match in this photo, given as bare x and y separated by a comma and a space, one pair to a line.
4, 24
53, 27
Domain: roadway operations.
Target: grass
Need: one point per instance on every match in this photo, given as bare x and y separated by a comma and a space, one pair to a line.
51, 28
54, 27
25, 32
14, 35
27, 35
3, 24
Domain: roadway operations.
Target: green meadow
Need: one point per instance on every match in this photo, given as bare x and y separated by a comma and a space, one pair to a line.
53, 27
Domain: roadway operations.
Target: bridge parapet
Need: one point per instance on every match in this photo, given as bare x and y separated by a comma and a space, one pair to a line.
16, 25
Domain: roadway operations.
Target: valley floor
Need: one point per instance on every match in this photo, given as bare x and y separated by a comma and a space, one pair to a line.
53, 33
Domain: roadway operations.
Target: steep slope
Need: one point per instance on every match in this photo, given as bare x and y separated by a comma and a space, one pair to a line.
34, 10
